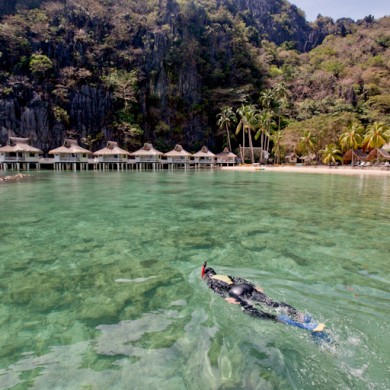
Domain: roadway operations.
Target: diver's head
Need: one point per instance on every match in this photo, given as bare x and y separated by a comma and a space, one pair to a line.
207, 271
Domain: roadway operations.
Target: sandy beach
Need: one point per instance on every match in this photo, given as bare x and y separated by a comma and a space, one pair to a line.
340, 170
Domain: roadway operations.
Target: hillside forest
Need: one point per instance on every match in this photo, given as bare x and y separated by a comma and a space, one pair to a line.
193, 72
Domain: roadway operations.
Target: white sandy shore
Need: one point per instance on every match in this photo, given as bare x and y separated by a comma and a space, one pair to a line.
340, 170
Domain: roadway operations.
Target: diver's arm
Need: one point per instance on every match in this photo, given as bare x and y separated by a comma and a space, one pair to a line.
240, 280
216, 288
232, 300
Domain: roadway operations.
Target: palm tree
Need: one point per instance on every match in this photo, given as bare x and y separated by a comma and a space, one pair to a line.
352, 138
280, 92
248, 122
265, 124
266, 99
307, 143
226, 118
377, 135
330, 154
277, 149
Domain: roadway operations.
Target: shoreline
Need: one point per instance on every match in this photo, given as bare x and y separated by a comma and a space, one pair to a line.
339, 170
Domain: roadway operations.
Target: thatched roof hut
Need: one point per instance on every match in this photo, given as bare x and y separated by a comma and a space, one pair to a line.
70, 146
204, 152
291, 157
21, 145
147, 150
178, 151
226, 156
354, 155
378, 154
112, 149
147, 154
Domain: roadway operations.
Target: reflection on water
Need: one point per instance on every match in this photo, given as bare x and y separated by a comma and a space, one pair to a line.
100, 287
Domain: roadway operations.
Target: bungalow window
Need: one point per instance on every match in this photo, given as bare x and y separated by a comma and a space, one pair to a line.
32, 154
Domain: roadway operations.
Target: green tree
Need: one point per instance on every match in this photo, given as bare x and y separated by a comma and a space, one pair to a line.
124, 85
265, 121
248, 122
280, 92
39, 64
377, 135
330, 154
278, 150
307, 143
225, 119
266, 99
351, 138
91, 140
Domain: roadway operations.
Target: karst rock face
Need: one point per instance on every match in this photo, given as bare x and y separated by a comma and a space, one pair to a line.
89, 109
184, 58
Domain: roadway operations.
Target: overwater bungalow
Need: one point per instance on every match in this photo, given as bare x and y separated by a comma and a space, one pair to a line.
70, 155
19, 154
112, 155
379, 155
226, 158
204, 157
147, 157
354, 157
178, 157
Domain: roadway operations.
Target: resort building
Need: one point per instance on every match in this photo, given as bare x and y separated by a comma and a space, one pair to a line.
147, 157
226, 158
19, 154
378, 156
291, 158
178, 157
354, 157
204, 158
111, 156
70, 155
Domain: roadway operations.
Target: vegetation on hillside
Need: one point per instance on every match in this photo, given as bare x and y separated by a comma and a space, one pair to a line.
189, 72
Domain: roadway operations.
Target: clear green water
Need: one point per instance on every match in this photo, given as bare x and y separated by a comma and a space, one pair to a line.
100, 286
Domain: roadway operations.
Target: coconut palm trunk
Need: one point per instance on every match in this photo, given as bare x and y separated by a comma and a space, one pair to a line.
251, 146
228, 137
243, 148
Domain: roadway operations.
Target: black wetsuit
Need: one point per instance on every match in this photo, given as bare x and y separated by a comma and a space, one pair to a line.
244, 292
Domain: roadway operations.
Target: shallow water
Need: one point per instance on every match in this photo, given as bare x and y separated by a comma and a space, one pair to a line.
100, 286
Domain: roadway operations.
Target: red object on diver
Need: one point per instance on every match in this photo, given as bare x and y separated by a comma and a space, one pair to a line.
203, 269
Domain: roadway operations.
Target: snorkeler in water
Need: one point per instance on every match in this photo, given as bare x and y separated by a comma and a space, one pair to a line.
241, 292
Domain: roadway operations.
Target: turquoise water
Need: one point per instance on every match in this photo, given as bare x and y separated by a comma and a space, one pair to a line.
100, 286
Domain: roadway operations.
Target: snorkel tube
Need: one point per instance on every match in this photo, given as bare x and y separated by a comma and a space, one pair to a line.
202, 272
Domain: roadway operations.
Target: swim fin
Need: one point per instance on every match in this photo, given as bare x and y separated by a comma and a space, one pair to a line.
312, 326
